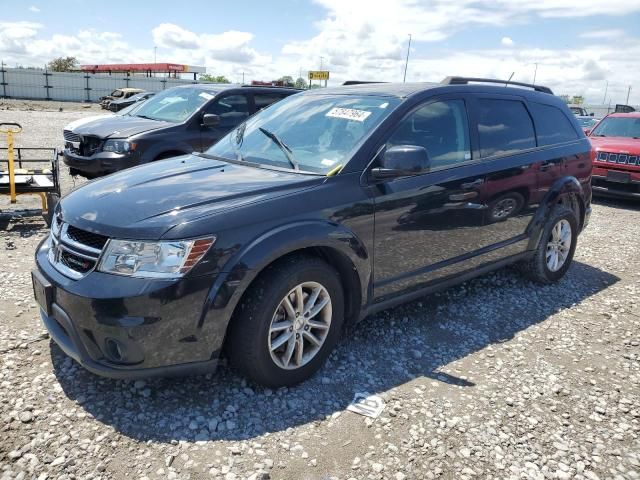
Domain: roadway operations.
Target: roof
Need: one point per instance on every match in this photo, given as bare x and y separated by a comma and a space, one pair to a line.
131, 89
399, 90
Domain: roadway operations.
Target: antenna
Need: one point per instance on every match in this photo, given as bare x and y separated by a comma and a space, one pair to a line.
510, 77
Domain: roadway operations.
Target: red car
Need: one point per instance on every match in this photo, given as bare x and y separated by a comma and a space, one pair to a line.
616, 166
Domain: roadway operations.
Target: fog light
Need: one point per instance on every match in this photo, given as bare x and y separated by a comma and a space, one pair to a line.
114, 350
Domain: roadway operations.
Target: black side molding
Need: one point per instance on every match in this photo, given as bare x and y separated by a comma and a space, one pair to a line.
466, 80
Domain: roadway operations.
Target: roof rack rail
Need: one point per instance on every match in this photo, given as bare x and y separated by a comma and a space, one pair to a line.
466, 80
360, 82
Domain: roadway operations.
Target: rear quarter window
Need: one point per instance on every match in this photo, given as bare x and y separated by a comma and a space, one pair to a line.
504, 127
552, 125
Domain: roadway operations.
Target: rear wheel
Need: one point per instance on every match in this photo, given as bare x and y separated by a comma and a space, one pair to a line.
555, 251
288, 322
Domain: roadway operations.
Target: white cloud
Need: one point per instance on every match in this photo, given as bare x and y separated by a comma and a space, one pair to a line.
507, 41
34, 9
613, 33
367, 40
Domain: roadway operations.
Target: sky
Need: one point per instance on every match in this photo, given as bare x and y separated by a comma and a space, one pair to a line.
581, 47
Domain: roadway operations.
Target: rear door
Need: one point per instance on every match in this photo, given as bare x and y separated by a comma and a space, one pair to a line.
508, 149
264, 99
232, 109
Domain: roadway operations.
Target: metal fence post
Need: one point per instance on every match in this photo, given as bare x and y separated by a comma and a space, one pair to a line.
46, 83
87, 88
4, 83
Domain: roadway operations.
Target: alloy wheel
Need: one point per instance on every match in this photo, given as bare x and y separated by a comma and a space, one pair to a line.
300, 325
559, 245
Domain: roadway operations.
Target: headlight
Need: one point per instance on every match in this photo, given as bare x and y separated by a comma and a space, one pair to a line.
165, 259
118, 146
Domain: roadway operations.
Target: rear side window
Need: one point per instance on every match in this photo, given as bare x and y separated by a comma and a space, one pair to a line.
552, 125
263, 100
504, 127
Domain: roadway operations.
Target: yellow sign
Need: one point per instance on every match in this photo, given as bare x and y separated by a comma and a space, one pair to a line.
319, 75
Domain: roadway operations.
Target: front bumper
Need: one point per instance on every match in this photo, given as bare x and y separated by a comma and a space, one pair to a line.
101, 163
122, 327
601, 186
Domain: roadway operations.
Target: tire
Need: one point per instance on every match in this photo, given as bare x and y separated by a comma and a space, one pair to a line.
505, 206
538, 268
251, 344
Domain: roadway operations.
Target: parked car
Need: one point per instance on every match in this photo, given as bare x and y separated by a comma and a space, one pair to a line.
174, 122
119, 94
579, 111
587, 123
318, 211
116, 105
616, 144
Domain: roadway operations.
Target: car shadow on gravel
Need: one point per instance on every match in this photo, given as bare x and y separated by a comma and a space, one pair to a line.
388, 350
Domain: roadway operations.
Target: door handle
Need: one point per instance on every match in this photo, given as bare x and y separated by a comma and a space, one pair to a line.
457, 197
475, 183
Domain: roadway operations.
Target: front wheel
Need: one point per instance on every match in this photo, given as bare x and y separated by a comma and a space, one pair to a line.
288, 322
554, 253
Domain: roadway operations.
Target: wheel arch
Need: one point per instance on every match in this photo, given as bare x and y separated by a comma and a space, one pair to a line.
334, 244
565, 191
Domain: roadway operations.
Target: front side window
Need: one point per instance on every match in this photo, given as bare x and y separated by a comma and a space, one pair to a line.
504, 127
442, 128
628, 127
318, 133
552, 125
175, 104
232, 110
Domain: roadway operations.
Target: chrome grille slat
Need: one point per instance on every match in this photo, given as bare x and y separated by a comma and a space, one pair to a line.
69, 136
70, 256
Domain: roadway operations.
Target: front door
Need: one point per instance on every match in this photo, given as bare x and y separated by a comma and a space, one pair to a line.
232, 110
426, 223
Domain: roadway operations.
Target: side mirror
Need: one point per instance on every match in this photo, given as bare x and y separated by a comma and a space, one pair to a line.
587, 131
402, 161
210, 120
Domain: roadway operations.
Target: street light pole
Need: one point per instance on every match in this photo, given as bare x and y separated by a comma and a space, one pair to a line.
406, 63
606, 87
628, 93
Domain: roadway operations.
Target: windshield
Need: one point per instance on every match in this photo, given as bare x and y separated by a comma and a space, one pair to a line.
587, 122
117, 93
131, 109
174, 105
319, 132
618, 127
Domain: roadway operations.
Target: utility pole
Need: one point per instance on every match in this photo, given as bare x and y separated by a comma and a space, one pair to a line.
406, 63
628, 93
606, 87
535, 73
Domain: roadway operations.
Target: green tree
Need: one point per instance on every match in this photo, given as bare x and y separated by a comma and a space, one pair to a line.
301, 83
207, 77
63, 64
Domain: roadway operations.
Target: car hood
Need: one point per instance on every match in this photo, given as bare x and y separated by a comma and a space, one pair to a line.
616, 144
82, 121
146, 202
118, 126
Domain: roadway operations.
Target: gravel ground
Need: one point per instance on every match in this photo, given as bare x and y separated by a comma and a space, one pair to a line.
497, 378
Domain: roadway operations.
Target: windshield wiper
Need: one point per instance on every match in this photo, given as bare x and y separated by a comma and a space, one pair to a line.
283, 146
144, 116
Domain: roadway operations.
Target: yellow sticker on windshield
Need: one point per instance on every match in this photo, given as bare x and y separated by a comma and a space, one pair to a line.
348, 114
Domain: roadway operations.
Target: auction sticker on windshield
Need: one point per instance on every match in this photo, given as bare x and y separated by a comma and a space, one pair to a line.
348, 114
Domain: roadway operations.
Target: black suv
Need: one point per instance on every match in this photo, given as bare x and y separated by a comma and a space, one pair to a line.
321, 209
174, 122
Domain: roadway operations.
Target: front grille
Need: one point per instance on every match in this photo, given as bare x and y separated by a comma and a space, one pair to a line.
618, 158
89, 146
87, 238
72, 251
69, 136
